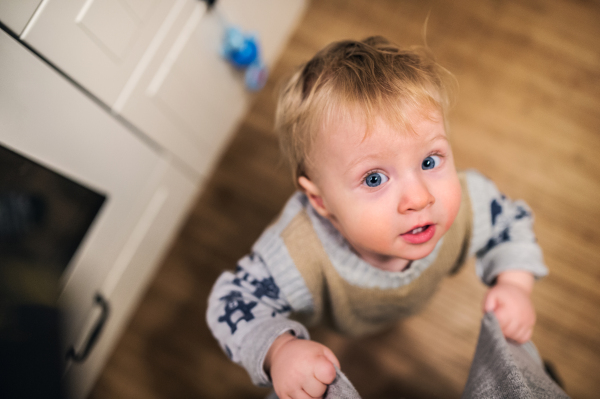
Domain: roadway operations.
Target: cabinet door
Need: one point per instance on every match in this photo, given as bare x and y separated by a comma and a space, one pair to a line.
106, 45
157, 62
189, 88
98, 43
131, 273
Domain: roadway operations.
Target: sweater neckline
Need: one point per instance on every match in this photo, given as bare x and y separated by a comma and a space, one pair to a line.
357, 271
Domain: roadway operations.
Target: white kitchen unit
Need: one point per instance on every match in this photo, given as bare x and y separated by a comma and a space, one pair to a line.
131, 101
52, 123
156, 62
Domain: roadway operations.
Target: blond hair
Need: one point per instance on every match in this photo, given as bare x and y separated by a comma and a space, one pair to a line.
372, 76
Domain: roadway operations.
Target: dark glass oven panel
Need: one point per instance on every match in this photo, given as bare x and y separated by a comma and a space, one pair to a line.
44, 216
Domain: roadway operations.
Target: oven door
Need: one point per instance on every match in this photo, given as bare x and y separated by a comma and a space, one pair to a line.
86, 198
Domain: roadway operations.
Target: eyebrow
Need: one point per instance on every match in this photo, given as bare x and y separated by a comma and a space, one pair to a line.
439, 136
362, 158
368, 156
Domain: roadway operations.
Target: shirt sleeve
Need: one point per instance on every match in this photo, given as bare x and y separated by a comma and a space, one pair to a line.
247, 312
502, 237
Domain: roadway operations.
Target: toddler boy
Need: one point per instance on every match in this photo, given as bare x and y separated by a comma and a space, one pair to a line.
380, 218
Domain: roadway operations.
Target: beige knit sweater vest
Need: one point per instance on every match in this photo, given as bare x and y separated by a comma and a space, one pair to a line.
354, 310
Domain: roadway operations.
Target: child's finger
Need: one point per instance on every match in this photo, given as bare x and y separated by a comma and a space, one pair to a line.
524, 335
508, 325
520, 337
490, 304
314, 388
300, 395
518, 333
503, 317
331, 357
528, 334
513, 329
324, 371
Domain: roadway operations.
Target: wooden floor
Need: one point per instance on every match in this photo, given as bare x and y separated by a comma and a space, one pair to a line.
528, 116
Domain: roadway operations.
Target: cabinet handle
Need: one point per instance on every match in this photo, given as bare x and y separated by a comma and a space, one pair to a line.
91, 341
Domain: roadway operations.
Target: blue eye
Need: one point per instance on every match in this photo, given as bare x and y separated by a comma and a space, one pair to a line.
430, 162
375, 179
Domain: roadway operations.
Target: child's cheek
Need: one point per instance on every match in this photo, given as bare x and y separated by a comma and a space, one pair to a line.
452, 205
369, 231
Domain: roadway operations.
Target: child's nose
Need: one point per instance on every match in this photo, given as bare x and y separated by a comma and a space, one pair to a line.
415, 197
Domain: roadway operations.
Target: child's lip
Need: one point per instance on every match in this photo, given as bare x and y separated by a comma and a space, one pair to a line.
426, 234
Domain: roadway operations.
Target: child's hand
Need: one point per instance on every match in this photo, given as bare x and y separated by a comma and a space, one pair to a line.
300, 369
509, 300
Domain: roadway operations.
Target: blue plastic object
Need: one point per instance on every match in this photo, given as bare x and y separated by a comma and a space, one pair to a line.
256, 77
243, 52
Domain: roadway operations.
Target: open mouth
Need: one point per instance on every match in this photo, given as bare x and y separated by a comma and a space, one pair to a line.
418, 230
420, 234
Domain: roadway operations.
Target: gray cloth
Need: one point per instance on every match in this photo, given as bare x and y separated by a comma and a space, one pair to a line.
503, 369
341, 388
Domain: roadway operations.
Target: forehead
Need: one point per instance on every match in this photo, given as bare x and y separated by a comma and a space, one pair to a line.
353, 124
347, 138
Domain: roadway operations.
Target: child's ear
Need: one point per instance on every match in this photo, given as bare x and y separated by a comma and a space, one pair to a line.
314, 195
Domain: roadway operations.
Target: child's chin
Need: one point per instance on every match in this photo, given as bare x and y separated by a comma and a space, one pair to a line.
420, 252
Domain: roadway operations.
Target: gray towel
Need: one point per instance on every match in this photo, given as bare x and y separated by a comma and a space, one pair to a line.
503, 369
341, 388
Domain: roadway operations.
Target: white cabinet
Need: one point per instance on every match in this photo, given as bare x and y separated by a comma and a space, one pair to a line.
106, 47
101, 41
146, 196
131, 99
187, 88
157, 63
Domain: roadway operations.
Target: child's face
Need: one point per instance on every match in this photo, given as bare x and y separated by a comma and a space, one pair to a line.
393, 194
